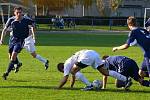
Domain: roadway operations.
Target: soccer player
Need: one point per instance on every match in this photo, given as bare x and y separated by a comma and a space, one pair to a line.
147, 25
30, 47
84, 58
143, 72
139, 36
124, 66
20, 31
78, 75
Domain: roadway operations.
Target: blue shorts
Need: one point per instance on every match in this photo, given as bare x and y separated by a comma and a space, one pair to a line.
129, 68
144, 65
15, 45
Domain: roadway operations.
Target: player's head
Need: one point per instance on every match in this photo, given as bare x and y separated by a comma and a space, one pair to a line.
131, 21
60, 67
104, 57
18, 12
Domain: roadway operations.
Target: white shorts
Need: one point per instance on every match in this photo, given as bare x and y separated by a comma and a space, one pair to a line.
91, 58
29, 44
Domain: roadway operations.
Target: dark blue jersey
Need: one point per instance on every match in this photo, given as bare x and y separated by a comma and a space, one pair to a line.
113, 62
20, 29
142, 38
147, 23
123, 65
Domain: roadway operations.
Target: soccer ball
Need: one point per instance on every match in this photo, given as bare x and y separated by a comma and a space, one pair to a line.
97, 84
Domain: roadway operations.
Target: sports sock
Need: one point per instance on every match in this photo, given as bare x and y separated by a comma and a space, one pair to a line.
117, 75
10, 66
41, 59
145, 83
16, 61
81, 77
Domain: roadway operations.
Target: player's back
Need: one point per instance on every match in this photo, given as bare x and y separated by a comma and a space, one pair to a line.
142, 37
114, 61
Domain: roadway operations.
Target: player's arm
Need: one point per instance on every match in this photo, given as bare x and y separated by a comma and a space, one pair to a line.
3, 35
33, 32
72, 81
104, 81
8, 23
32, 28
63, 81
130, 42
122, 47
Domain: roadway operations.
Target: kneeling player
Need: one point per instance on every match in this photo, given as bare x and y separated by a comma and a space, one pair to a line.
78, 75
82, 59
124, 66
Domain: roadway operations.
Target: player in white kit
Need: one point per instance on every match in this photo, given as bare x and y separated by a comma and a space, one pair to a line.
82, 59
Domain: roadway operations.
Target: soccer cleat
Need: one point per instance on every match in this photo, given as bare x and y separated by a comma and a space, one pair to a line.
46, 65
87, 88
5, 76
128, 84
17, 68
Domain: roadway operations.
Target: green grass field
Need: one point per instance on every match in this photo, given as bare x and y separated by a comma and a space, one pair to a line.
32, 82
82, 27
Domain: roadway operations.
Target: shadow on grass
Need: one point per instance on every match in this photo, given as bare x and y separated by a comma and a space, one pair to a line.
40, 87
68, 88
124, 91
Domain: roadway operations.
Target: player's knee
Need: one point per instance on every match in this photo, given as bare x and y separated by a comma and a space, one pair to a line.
34, 55
141, 73
14, 56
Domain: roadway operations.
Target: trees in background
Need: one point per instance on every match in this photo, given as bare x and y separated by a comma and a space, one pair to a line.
107, 7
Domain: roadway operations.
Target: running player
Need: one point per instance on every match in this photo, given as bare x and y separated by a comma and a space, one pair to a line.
139, 36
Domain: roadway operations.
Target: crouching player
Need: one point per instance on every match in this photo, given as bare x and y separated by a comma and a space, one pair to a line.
82, 59
124, 66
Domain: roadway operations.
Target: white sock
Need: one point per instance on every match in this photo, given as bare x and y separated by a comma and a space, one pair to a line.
117, 75
81, 77
41, 59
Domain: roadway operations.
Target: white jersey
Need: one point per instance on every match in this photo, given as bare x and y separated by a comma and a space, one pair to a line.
87, 57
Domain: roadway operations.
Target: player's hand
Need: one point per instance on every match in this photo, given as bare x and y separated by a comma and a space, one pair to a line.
34, 41
115, 49
1, 42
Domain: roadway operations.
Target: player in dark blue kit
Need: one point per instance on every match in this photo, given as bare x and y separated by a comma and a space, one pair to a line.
143, 70
138, 36
20, 31
124, 66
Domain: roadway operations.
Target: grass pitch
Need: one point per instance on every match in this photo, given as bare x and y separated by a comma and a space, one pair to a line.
32, 82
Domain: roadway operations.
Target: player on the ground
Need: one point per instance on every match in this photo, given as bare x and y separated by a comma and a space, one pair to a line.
78, 75
29, 45
124, 66
84, 58
139, 36
20, 31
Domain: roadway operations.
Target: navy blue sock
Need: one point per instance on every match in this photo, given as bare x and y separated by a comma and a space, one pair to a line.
10, 66
16, 61
145, 83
